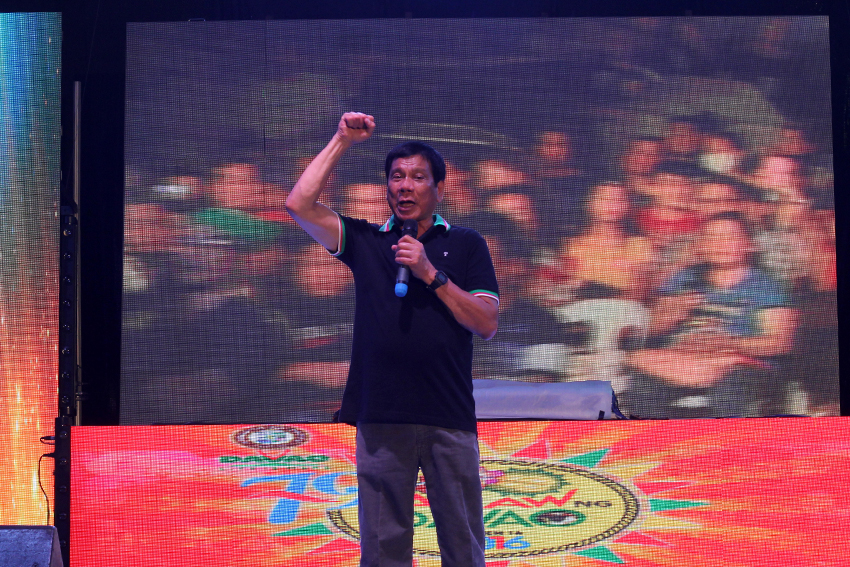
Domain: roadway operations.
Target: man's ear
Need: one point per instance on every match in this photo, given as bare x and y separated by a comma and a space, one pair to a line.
441, 189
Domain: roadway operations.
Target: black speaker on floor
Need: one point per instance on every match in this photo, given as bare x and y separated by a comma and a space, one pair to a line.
29, 546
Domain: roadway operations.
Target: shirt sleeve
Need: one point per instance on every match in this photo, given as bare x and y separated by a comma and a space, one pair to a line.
677, 283
480, 278
350, 231
340, 247
771, 294
690, 279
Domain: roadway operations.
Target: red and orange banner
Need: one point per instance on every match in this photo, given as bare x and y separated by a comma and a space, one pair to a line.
698, 493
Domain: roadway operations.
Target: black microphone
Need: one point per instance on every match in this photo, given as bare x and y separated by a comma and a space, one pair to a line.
410, 228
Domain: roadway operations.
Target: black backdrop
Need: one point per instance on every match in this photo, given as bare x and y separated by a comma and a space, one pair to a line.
94, 50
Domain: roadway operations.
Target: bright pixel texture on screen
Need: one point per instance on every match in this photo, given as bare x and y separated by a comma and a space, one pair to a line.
30, 56
656, 193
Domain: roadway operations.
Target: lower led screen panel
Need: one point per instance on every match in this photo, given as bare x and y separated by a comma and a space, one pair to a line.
690, 492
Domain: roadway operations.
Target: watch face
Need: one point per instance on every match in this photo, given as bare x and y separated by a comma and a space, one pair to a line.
439, 279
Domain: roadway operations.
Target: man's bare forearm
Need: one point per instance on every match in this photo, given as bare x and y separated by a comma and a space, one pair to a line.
761, 346
305, 195
303, 201
475, 314
778, 325
669, 311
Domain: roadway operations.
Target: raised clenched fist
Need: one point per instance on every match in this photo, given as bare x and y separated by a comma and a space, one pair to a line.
355, 127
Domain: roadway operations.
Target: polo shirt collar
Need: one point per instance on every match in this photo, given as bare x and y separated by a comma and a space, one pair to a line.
392, 222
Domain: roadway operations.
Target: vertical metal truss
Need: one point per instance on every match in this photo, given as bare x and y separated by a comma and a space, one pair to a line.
68, 373
70, 387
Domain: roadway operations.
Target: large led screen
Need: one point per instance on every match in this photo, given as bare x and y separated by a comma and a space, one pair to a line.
652, 493
656, 193
30, 55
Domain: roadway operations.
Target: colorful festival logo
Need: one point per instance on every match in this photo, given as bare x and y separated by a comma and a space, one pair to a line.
530, 509
535, 504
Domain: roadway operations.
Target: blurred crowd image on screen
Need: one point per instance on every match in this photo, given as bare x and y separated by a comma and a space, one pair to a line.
683, 251
585, 261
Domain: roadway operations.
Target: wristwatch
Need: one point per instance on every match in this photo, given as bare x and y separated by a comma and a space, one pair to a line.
439, 279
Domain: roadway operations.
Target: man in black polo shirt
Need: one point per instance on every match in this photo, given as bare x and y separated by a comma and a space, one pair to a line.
409, 387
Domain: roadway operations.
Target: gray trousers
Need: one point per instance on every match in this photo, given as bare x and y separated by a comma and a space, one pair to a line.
389, 457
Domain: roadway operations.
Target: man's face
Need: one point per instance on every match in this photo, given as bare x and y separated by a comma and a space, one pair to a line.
461, 199
779, 174
725, 243
609, 204
494, 174
411, 191
320, 274
713, 198
238, 186
149, 228
517, 207
366, 201
683, 138
642, 157
674, 190
554, 147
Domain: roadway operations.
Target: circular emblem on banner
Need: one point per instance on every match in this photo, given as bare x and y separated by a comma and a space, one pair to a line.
530, 508
273, 437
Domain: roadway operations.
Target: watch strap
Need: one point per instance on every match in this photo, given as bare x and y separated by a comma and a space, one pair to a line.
440, 278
